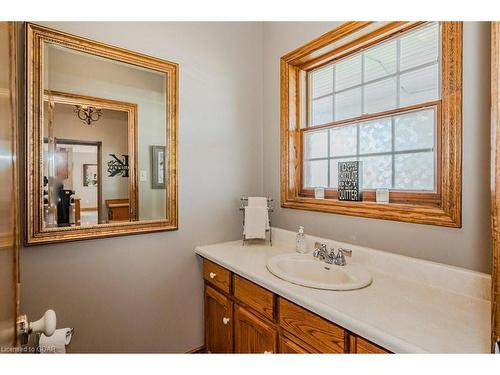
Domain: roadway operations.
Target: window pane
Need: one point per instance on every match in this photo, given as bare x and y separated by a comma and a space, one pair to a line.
348, 104
377, 171
419, 86
380, 61
322, 111
348, 72
375, 136
414, 171
334, 171
322, 81
414, 130
316, 173
343, 140
420, 47
316, 144
380, 96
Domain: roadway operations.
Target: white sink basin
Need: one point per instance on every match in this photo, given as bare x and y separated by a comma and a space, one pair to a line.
303, 269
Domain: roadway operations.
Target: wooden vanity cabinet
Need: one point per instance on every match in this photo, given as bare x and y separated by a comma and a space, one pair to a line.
243, 317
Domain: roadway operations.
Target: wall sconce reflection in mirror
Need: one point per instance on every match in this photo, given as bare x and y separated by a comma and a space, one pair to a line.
88, 114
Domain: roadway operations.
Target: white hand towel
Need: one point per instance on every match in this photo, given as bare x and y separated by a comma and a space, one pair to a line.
257, 202
260, 202
255, 222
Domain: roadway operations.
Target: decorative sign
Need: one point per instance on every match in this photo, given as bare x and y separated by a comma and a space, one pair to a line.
117, 167
350, 181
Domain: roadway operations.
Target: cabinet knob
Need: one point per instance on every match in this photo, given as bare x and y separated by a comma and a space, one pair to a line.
268, 352
225, 320
212, 275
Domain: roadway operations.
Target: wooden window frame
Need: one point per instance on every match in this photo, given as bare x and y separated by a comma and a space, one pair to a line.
442, 207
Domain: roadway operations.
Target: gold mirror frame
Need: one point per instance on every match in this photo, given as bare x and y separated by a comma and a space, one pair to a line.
35, 37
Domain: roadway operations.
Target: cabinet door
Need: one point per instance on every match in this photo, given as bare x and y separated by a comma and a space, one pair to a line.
218, 322
251, 334
287, 346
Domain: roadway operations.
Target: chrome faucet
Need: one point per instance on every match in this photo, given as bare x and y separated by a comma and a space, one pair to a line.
321, 252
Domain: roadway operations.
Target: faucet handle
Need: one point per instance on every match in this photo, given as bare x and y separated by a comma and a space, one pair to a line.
346, 252
319, 246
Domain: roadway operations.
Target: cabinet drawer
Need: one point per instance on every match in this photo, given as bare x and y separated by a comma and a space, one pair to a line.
217, 275
361, 346
256, 297
315, 331
288, 346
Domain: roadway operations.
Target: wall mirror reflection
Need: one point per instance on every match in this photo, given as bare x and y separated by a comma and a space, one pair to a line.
101, 158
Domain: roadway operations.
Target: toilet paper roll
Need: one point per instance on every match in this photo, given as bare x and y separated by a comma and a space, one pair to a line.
57, 342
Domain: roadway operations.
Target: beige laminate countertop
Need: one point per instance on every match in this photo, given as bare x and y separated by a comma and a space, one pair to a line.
401, 312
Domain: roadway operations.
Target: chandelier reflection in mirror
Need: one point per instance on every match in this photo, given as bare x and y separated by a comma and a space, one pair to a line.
88, 114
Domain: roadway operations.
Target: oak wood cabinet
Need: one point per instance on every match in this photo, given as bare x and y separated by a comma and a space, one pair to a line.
267, 323
253, 335
218, 322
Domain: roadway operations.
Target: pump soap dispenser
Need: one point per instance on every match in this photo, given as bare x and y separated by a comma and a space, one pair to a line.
300, 244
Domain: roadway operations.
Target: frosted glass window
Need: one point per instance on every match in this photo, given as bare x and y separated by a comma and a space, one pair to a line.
414, 171
348, 73
398, 149
343, 140
316, 144
380, 96
348, 104
419, 47
334, 171
316, 173
415, 130
377, 171
381, 61
322, 81
419, 86
375, 136
322, 110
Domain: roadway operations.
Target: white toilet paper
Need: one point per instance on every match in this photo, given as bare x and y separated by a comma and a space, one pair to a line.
57, 342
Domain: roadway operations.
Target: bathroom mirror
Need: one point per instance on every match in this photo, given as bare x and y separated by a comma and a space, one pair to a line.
101, 154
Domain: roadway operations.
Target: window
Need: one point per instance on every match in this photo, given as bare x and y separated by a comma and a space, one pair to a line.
397, 149
387, 94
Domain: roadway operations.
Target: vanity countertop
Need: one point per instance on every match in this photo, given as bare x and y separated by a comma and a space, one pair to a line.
402, 310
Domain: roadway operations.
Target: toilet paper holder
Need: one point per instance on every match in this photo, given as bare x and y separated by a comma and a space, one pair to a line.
46, 325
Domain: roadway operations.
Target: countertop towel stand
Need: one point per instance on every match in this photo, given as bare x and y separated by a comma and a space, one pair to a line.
244, 203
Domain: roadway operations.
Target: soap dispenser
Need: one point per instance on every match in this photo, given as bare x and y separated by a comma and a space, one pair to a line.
300, 243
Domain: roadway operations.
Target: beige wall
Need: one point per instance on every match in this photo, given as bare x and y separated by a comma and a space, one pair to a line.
467, 247
143, 293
